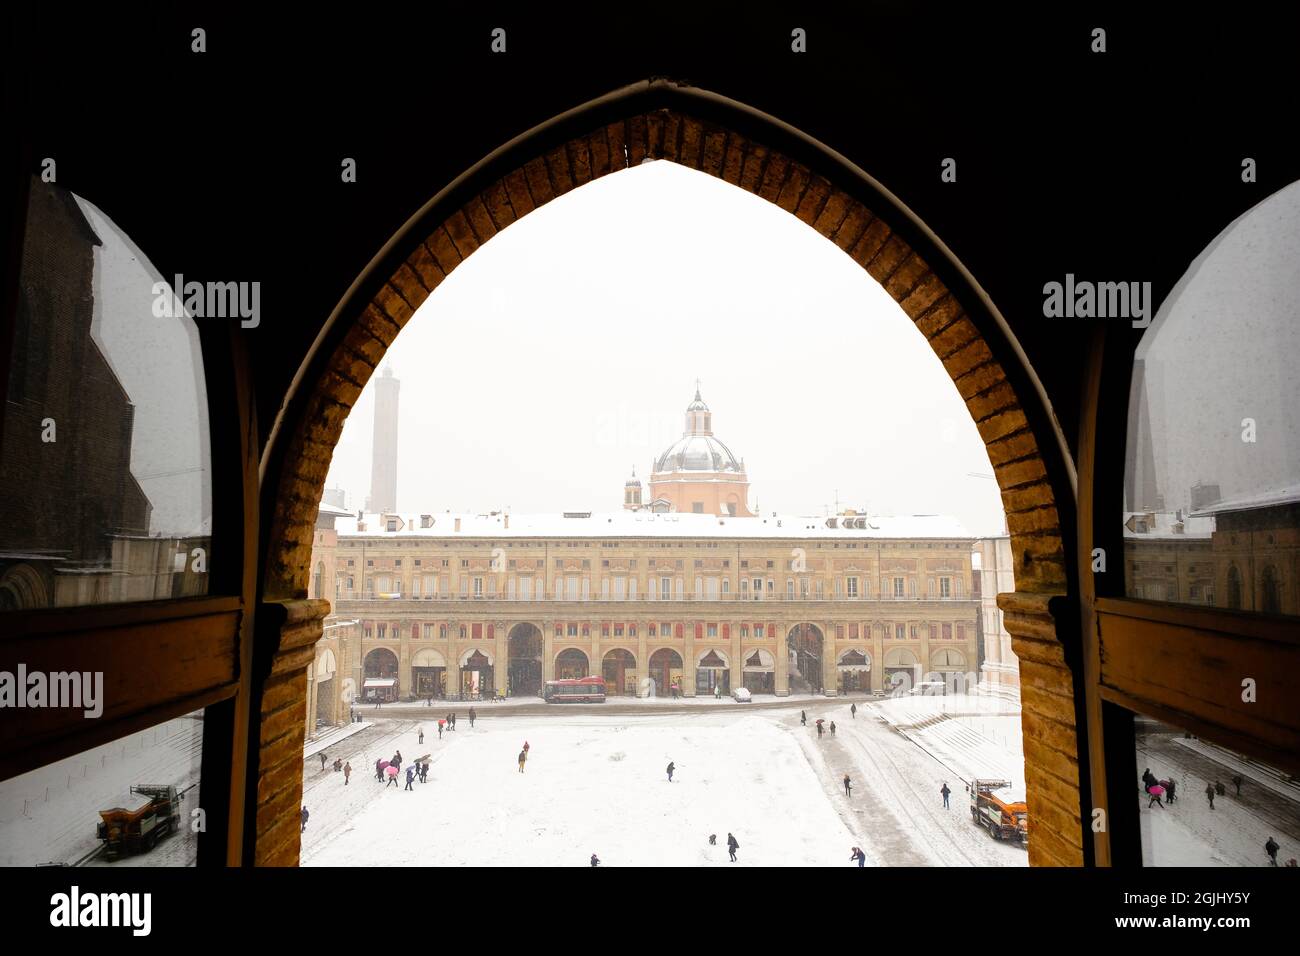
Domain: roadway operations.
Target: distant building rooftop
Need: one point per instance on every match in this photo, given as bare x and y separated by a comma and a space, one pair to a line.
644, 524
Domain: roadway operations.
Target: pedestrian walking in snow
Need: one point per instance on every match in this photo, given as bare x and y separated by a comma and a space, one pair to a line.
803, 719
377, 703
322, 762
420, 731
1271, 848
1237, 782
397, 761
859, 856
1219, 788
1155, 793
848, 786
832, 728
379, 770
440, 725
338, 765
943, 792
819, 729
526, 747
305, 815
472, 715
732, 847
453, 720
1148, 779
347, 773
523, 756
1209, 794
671, 768
1171, 787
717, 692
392, 776
713, 839
410, 778
425, 777
595, 860
853, 712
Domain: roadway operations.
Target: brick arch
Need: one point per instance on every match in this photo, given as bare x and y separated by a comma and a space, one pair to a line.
662, 120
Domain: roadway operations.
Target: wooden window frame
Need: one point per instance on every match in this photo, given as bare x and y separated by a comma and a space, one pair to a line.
1181, 664
161, 659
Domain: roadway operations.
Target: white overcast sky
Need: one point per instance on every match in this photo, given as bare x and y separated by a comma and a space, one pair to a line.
564, 352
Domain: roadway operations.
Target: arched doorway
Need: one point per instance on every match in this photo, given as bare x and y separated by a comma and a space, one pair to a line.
667, 120
713, 673
902, 670
325, 687
380, 670
854, 668
524, 661
665, 672
759, 672
429, 673
948, 664
805, 643
619, 669
571, 664
476, 675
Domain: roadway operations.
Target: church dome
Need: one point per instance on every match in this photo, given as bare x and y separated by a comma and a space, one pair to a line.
698, 449
698, 453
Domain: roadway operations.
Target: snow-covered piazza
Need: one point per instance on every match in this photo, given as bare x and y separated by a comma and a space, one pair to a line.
595, 782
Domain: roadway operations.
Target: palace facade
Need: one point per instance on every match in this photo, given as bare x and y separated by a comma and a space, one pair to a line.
655, 598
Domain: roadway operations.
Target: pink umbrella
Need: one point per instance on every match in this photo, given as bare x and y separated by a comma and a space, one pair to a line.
391, 771
383, 764
1156, 791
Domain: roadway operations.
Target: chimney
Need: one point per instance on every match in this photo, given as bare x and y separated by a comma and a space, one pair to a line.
507, 521
457, 524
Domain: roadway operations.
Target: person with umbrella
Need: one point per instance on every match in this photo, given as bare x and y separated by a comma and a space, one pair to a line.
848, 786
819, 727
392, 776
1156, 792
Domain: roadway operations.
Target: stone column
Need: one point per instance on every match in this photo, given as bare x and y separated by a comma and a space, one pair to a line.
877, 662
781, 655
501, 666
830, 654
453, 659
596, 666
688, 659
642, 661
737, 660
548, 650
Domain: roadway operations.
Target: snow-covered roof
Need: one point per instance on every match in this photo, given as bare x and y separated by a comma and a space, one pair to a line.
647, 524
1263, 499
1162, 524
328, 509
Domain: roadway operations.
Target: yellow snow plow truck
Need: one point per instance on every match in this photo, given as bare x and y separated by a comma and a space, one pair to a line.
996, 806
152, 812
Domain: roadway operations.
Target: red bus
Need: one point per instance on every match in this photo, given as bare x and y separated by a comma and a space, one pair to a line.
585, 690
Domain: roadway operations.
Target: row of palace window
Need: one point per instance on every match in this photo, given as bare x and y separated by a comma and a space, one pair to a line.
885, 546
620, 588
852, 632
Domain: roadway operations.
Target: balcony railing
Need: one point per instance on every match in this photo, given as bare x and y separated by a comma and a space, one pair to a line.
641, 599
